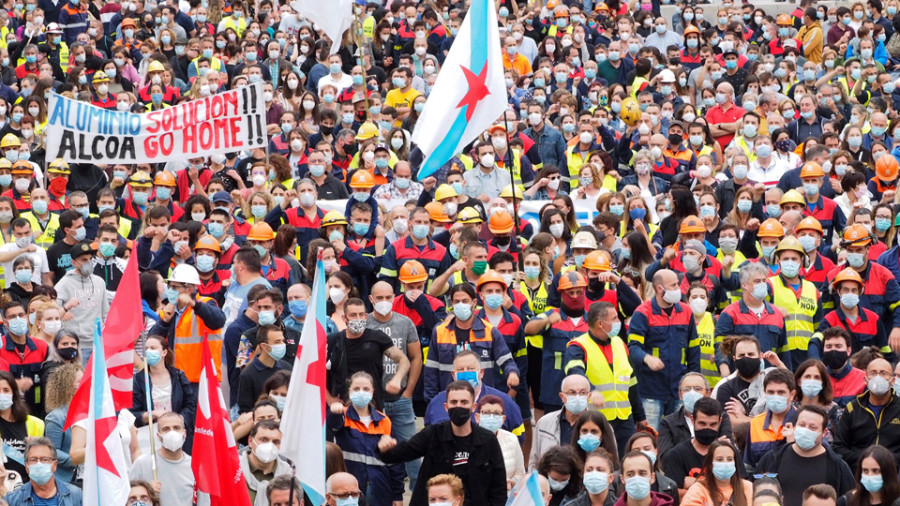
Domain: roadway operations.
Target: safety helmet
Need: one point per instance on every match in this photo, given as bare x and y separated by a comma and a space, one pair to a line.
584, 240
10, 141
164, 178
59, 166
100, 77
412, 271
140, 178
692, 225
436, 212
784, 19
4, 163
333, 218
856, 235
771, 228
155, 66
561, 12
184, 273
367, 131
501, 222
507, 192
571, 279
811, 169
597, 261
208, 242
691, 29
809, 223
790, 243
886, 168
848, 274
362, 179
22, 167
491, 276
261, 232
792, 197
444, 191
469, 216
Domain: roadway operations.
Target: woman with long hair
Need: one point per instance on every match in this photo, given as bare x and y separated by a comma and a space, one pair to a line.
562, 468
635, 257
553, 221
592, 431
16, 425
719, 482
815, 387
743, 202
876, 480
683, 205
61, 386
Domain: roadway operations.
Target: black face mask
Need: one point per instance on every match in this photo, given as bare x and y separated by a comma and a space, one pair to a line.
503, 241
326, 130
706, 436
834, 359
675, 139
747, 366
595, 285
68, 353
459, 416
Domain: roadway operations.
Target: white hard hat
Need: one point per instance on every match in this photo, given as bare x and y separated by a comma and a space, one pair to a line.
185, 273
666, 76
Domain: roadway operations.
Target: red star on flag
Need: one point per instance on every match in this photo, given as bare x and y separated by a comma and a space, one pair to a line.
103, 427
477, 90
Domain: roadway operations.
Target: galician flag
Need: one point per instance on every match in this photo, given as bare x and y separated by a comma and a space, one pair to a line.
528, 493
470, 92
105, 471
303, 420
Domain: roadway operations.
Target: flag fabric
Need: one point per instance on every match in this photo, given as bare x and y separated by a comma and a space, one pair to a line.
303, 421
105, 470
470, 92
333, 17
528, 493
124, 321
214, 460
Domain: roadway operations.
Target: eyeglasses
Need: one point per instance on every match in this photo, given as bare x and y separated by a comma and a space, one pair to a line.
765, 475
884, 374
42, 460
346, 495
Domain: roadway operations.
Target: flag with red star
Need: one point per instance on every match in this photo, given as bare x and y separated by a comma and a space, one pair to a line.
105, 471
303, 421
469, 94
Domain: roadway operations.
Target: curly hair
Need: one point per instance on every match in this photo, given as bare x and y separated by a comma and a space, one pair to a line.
61, 386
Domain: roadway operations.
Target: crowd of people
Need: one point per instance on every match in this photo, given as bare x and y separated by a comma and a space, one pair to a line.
667, 274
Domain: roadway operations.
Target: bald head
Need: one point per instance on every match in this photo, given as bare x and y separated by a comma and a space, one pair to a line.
341, 483
664, 277
382, 289
299, 290
575, 382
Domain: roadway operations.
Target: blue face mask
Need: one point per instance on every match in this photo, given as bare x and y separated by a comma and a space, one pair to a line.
493, 301
470, 376
638, 213
349, 501
41, 473
805, 438
170, 295
298, 308
153, 357
360, 228
217, 230
723, 470
778, 404
589, 442
277, 351
637, 487
18, 326
163, 193
420, 231
491, 422
360, 399
689, 399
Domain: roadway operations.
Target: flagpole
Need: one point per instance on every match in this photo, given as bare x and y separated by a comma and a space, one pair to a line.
150, 418
360, 43
517, 266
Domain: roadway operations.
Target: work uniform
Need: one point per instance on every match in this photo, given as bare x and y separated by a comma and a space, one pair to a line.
803, 310
553, 349
767, 327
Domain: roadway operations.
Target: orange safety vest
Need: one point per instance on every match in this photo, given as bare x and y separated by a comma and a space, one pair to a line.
189, 344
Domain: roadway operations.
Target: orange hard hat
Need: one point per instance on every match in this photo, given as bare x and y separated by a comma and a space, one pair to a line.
692, 225
809, 223
811, 169
691, 29
261, 232
561, 12
501, 222
771, 228
856, 235
886, 168
412, 271
847, 274
22, 168
436, 212
784, 19
208, 242
362, 179
552, 4
491, 276
571, 279
164, 178
597, 261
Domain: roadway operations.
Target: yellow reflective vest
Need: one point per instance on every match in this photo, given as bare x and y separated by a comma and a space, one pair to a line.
801, 311
48, 232
706, 331
613, 382
537, 302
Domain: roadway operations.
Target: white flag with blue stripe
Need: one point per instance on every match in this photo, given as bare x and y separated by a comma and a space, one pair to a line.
470, 92
527, 493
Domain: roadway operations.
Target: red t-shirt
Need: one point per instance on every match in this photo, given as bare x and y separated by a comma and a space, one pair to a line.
718, 115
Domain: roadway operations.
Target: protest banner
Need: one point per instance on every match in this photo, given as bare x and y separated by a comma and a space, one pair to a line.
226, 122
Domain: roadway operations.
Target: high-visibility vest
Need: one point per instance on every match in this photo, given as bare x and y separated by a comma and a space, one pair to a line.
517, 165
636, 86
238, 27
739, 259
48, 234
706, 331
537, 302
798, 323
613, 382
189, 343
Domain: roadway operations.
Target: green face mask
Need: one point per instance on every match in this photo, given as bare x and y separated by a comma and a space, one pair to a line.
479, 267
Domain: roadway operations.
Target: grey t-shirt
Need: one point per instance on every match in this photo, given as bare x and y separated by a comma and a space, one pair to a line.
176, 477
402, 332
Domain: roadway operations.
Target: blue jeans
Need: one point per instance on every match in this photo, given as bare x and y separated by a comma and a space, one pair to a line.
403, 422
655, 409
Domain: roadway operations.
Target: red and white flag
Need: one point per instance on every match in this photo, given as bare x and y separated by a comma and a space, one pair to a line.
105, 470
215, 462
303, 420
123, 324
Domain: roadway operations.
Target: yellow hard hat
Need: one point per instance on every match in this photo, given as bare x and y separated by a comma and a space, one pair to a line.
10, 141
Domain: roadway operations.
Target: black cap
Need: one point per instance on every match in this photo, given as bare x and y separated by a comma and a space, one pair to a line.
82, 248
